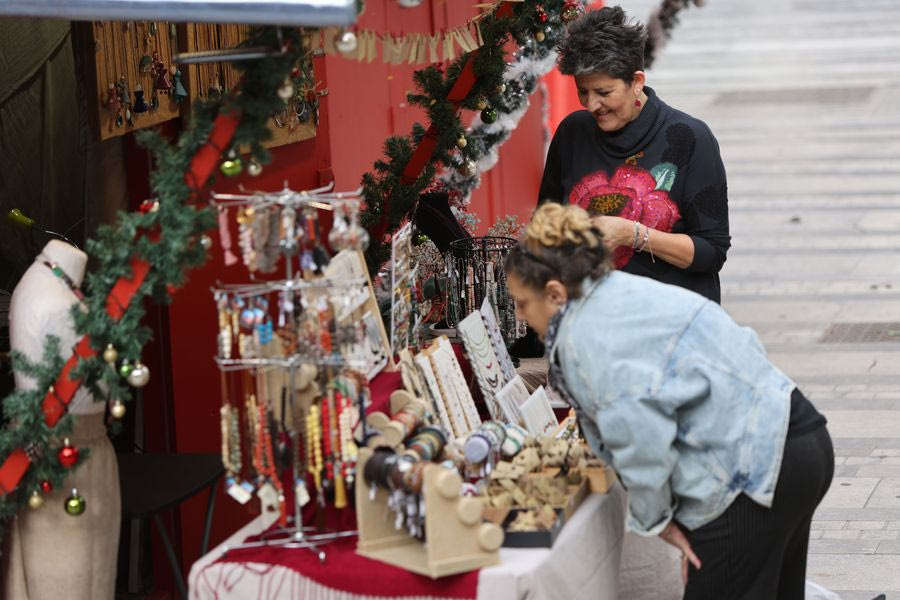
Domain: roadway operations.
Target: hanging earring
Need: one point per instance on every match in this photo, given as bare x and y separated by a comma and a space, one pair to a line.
162, 83
637, 102
179, 93
140, 106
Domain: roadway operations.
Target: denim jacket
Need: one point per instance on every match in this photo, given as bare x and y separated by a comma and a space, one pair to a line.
677, 397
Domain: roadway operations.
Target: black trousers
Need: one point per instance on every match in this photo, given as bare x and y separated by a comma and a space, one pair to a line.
757, 553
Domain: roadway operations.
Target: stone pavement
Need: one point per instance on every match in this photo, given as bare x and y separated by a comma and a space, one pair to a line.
803, 98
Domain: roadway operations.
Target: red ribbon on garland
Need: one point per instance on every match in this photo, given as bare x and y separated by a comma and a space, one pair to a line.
423, 152
56, 402
207, 156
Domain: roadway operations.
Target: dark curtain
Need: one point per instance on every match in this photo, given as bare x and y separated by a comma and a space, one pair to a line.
42, 149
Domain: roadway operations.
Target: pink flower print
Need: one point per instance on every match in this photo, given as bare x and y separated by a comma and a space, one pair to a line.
631, 194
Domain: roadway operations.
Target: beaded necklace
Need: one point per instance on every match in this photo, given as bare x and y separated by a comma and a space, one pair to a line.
58, 271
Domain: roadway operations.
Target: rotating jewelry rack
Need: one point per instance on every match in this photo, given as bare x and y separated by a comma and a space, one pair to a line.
298, 231
475, 272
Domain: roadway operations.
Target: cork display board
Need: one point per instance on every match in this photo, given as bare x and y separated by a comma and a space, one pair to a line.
133, 78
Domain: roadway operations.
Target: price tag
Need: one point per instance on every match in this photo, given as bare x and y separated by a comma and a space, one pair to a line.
268, 495
240, 493
301, 492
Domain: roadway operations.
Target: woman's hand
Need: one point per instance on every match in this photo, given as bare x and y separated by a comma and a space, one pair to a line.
673, 535
616, 231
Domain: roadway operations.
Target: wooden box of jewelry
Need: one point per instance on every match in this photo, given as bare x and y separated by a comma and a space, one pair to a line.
541, 505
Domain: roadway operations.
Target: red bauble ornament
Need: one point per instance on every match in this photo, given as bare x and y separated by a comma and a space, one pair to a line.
67, 455
148, 206
46, 487
542, 17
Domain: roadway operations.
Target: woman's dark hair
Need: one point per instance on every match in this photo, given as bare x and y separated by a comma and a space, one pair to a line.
603, 41
560, 243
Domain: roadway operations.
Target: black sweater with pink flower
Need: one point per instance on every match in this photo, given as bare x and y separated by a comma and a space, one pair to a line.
662, 169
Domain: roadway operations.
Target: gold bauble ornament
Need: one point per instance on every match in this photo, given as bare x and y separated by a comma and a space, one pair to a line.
110, 355
462, 142
35, 501
117, 410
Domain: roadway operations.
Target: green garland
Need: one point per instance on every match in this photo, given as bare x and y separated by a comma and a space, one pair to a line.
177, 247
388, 200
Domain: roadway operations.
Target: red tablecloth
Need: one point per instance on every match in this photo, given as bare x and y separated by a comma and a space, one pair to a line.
344, 569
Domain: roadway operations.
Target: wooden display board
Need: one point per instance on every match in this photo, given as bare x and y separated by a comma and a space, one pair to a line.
117, 51
204, 78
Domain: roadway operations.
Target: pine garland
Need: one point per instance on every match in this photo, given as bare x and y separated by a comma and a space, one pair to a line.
389, 200
168, 238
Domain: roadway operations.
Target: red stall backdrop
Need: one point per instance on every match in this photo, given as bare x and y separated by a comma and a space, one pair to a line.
366, 103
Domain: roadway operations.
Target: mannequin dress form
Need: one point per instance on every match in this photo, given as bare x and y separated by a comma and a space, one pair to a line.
52, 554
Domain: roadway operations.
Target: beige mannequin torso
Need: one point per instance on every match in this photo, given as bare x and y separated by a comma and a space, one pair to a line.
41, 305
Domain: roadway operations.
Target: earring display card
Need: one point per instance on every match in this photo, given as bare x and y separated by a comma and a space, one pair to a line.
376, 356
448, 420
349, 264
511, 397
129, 66
453, 371
454, 407
404, 321
483, 360
493, 328
538, 414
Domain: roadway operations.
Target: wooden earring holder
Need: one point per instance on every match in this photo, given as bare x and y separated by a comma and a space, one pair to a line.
457, 540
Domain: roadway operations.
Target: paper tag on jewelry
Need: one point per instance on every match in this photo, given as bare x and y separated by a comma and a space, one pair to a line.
301, 492
268, 495
239, 493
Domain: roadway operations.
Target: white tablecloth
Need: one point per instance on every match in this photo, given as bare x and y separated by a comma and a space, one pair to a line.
583, 563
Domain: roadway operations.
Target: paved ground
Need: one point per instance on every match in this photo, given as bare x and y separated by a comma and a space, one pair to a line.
802, 95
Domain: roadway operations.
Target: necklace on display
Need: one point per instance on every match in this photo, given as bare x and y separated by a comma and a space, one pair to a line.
58, 271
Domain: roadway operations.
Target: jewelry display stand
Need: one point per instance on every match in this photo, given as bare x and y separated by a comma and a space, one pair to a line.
475, 272
293, 534
456, 538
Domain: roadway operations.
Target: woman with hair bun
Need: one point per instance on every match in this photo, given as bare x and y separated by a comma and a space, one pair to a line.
722, 456
650, 176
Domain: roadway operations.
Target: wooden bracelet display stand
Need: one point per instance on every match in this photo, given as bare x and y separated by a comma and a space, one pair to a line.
457, 540
390, 433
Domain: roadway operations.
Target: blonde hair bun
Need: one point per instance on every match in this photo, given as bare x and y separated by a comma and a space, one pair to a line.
554, 225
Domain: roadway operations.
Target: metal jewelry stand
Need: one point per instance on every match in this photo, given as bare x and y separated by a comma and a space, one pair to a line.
295, 535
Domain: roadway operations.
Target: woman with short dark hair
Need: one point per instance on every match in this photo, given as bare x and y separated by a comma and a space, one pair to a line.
650, 175
721, 454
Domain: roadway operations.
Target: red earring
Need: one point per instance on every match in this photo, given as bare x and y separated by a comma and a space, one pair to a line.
637, 102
